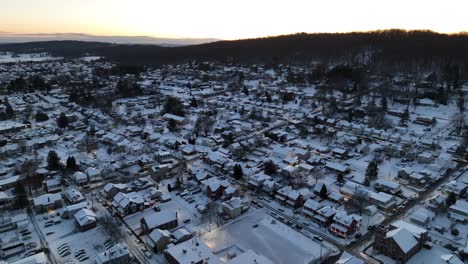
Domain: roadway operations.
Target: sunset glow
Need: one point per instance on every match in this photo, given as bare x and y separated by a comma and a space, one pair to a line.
227, 19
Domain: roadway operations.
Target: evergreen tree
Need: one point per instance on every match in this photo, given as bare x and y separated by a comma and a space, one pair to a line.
62, 121
270, 167
172, 125
451, 199
340, 178
71, 163
372, 170
238, 172
173, 106
9, 112
53, 160
21, 200
41, 117
193, 102
245, 90
384, 104
323, 192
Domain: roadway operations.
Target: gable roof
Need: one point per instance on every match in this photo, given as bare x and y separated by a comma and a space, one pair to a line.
403, 238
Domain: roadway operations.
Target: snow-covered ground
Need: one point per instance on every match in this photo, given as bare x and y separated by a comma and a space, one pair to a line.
10, 57
270, 238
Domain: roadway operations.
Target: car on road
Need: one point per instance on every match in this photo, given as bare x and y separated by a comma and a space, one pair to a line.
255, 226
319, 238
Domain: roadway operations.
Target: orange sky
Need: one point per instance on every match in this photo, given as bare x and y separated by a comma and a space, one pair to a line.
228, 19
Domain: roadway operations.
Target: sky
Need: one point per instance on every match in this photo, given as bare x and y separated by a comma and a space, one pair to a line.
227, 19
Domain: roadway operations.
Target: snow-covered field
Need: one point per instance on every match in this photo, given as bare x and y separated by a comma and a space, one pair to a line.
10, 57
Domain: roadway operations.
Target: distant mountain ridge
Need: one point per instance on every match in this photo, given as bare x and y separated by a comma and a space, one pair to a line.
6, 37
398, 49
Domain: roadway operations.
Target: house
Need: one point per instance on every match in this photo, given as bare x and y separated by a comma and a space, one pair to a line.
325, 215
71, 210
340, 153
456, 187
115, 255
181, 235
387, 186
53, 185
128, 203
336, 167
311, 207
74, 196
343, 225
111, 189
94, 175
214, 187
382, 200
80, 178
48, 201
193, 251
159, 239
347, 258
282, 194
85, 219
235, 206
400, 240
435, 202
159, 220
459, 211
177, 119
421, 217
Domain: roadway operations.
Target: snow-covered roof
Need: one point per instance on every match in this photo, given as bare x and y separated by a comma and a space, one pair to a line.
403, 238
193, 251
250, 257
157, 219
115, 252
85, 216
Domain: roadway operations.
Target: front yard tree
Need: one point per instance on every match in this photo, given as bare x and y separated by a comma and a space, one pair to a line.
62, 121
21, 200
53, 160
9, 112
451, 199
340, 178
238, 172
173, 106
71, 163
372, 170
270, 167
323, 192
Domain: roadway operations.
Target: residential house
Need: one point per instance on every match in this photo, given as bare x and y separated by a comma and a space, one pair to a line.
158, 240
48, 201
235, 206
459, 211
325, 215
343, 225
74, 196
159, 220
85, 219
400, 240
128, 203
80, 178
117, 254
